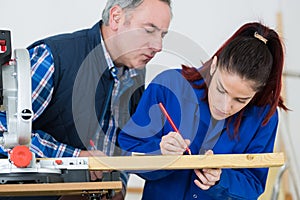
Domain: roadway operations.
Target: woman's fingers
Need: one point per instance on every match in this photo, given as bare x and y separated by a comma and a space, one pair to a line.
207, 177
173, 143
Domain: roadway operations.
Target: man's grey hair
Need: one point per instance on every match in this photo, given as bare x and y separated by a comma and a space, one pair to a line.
124, 4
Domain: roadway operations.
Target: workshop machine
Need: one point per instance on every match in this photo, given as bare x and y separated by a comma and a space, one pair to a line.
21, 166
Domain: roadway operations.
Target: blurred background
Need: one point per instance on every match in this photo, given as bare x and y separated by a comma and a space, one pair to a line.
197, 30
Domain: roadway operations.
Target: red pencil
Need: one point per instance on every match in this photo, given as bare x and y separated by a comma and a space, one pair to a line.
93, 145
172, 123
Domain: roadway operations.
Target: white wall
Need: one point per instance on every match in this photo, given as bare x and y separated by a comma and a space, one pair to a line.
203, 25
291, 126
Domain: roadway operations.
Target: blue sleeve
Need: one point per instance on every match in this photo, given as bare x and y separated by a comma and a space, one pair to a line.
45, 146
248, 183
3, 152
42, 69
42, 144
144, 130
143, 133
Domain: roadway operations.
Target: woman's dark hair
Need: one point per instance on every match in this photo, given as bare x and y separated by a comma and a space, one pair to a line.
254, 52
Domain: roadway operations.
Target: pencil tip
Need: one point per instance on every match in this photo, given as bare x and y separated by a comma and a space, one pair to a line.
189, 151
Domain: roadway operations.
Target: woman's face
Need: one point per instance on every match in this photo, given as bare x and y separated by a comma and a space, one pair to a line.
228, 93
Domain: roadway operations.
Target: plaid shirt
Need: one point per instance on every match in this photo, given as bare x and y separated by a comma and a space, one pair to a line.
42, 144
123, 80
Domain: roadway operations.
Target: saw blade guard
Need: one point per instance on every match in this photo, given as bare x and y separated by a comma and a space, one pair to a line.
16, 77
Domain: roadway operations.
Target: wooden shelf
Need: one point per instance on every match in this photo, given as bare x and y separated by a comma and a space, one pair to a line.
40, 189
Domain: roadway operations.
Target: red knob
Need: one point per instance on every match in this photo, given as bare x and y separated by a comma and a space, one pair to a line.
21, 156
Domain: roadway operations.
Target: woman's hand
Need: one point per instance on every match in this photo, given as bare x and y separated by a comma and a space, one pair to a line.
207, 177
173, 144
95, 175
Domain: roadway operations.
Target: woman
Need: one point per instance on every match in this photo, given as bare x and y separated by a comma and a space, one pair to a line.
228, 106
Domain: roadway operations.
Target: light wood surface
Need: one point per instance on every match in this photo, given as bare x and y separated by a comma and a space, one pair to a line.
143, 163
187, 161
74, 188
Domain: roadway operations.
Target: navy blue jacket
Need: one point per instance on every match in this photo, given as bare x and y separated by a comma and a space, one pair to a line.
82, 88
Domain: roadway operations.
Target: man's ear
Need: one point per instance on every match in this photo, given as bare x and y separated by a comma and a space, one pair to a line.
115, 15
213, 65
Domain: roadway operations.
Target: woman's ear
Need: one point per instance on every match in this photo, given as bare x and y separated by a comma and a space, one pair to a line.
213, 65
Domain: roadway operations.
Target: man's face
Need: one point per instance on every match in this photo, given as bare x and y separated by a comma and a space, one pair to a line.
139, 33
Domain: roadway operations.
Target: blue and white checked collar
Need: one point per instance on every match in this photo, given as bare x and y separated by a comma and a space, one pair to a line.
112, 68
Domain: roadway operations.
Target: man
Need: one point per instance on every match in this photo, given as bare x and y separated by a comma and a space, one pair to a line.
87, 84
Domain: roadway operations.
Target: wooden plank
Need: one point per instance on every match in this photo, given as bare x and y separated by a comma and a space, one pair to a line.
74, 188
143, 163
187, 161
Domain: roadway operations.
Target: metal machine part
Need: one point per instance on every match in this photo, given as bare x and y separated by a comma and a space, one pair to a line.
45, 171
21, 165
16, 78
16, 82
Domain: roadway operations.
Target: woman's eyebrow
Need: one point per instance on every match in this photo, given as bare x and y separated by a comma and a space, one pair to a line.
222, 87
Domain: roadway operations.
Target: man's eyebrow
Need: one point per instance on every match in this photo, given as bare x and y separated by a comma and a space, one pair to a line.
154, 26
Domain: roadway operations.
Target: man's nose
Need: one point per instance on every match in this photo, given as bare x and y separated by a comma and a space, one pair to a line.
156, 44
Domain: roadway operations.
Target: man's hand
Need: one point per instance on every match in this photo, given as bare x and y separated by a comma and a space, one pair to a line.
173, 144
91, 153
95, 175
207, 177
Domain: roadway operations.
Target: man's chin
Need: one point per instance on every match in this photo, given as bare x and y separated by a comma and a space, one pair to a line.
138, 66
